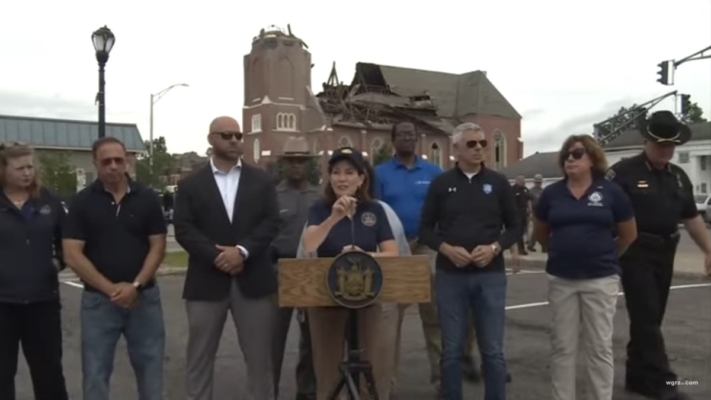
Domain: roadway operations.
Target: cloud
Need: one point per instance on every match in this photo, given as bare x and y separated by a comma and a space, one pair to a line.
549, 138
32, 105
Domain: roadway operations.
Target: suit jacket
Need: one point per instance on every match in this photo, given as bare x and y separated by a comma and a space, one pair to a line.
201, 222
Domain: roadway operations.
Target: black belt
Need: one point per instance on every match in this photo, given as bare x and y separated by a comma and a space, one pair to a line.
645, 237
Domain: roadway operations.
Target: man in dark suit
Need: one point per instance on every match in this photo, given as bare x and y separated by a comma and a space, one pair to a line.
226, 216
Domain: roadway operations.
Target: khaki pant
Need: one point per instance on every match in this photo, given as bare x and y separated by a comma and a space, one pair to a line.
589, 306
430, 328
328, 332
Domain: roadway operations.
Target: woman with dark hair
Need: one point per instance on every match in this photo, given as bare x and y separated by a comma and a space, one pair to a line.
577, 218
348, 220
30, 259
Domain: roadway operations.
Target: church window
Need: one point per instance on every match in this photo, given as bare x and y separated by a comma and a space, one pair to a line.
256, 150
499, 150
435, 154
256, 123
286, 122
375, 146
344, 141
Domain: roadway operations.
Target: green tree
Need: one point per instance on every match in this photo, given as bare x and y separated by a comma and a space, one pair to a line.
623, 116
384, 153
695, 114
57, 173
162, 163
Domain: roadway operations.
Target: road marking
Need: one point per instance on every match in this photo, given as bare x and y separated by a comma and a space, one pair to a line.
73, 284
545, 303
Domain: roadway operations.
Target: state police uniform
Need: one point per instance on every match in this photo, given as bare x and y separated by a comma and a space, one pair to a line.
661, 198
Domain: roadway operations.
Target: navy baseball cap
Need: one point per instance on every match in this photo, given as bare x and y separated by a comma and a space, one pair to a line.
350, 154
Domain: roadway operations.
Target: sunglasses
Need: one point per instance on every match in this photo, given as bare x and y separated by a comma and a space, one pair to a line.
229, 135
577, 154
472, 143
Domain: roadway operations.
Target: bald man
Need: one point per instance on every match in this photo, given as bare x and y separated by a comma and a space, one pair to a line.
226, 216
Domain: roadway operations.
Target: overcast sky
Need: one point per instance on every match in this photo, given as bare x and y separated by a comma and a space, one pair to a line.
563, 64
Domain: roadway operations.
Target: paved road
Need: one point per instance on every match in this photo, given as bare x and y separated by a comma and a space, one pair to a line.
687, 329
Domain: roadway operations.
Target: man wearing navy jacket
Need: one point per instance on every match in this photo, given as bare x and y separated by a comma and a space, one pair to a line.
469, 217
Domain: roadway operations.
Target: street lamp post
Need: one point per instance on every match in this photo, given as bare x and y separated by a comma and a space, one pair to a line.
154, 100
104, 41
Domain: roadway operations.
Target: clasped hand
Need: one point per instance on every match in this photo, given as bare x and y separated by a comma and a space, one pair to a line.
230, 260
344, 207
124, 295
481, 256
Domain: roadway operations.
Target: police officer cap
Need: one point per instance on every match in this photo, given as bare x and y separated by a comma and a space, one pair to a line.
349, 154
663, 127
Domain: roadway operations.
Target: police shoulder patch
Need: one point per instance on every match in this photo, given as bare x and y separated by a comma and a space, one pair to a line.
610, 174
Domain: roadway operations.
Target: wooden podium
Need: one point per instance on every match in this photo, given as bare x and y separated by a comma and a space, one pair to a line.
317, 282
303, 281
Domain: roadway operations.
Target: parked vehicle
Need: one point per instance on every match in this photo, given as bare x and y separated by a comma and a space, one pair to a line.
703, 201
708, 214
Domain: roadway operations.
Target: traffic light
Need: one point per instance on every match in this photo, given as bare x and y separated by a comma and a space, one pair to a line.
666, 73
685, 104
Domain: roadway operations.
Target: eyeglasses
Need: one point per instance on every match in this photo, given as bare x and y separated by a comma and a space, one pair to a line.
7, 145
229, 135
577, 154
472, 143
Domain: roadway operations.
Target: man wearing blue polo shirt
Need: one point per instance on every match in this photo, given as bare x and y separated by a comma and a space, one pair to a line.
402, 183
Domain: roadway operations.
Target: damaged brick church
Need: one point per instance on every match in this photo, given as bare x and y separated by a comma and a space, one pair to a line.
279, 102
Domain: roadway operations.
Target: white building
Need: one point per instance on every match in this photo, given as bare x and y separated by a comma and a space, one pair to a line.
694, 157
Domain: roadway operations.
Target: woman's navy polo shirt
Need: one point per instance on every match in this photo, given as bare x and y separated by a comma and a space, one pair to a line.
371, 228
582, 231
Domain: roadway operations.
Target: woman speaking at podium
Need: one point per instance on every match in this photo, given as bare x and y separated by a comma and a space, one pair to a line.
348, 219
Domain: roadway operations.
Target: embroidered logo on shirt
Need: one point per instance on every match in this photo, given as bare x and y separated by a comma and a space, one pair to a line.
368, 219
487, 188
642, 184
595, 199
452, 190
610, 174
45, 210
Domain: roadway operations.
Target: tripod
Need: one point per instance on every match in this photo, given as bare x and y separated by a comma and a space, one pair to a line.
353, 367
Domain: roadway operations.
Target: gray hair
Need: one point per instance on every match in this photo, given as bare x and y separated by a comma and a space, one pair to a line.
465, 127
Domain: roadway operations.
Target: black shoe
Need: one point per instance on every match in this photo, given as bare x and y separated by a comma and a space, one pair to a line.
470, 370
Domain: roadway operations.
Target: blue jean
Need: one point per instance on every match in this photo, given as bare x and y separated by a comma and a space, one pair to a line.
484, 294
102, 323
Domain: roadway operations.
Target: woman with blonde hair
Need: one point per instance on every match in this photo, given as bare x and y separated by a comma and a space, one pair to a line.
30, 259
348, 219
586, 222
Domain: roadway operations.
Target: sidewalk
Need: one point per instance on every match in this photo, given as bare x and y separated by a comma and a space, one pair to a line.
685, 264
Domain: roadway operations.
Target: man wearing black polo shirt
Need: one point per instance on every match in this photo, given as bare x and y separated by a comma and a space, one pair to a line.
468, 217
114, 240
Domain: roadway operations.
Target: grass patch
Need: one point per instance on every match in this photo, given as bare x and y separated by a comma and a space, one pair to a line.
176, 259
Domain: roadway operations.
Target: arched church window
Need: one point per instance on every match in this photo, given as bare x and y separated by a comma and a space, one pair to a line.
375, 146
435, 154
499, 150
256, 150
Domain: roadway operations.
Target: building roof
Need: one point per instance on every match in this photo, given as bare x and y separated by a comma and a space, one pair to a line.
65, 134
454, 95
632, 138
545, 164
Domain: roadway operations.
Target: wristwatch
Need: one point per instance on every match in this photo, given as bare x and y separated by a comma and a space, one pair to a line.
138, 285
496, 248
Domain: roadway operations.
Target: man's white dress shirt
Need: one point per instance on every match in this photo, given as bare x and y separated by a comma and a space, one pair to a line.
228, 184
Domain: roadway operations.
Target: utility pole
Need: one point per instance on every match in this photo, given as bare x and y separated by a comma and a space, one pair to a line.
605, 136
667, 68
